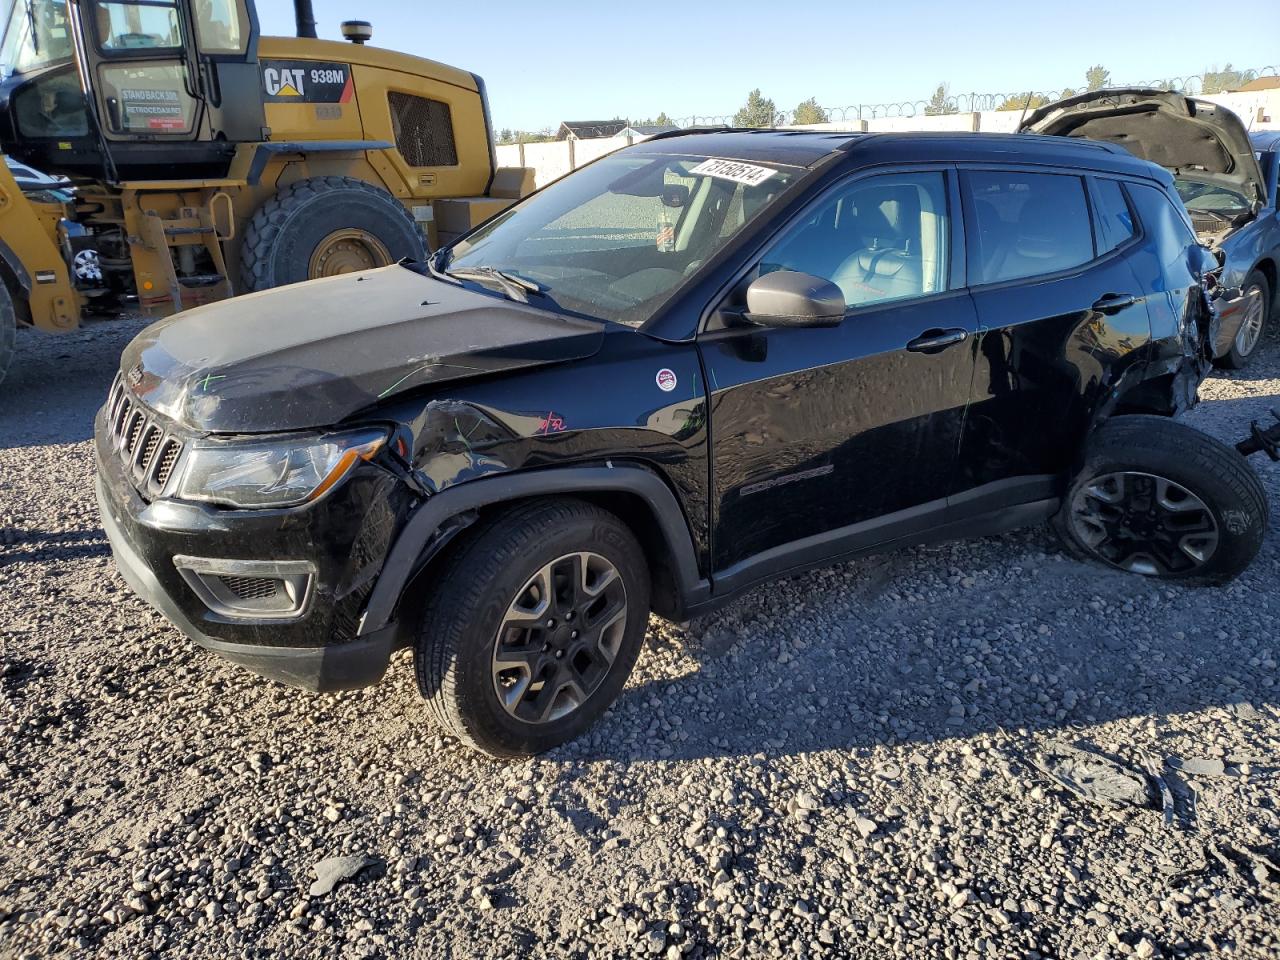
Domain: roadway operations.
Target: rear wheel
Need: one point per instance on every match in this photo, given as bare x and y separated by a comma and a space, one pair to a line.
323, 227
1257, 309
1158, 498
8, 330
533, 626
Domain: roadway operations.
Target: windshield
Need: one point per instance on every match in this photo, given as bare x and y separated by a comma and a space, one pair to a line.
616, 239
36, 34
1210, 197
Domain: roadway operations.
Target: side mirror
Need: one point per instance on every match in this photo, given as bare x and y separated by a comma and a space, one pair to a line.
785, 298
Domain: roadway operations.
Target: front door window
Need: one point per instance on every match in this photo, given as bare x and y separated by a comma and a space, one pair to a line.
882, 239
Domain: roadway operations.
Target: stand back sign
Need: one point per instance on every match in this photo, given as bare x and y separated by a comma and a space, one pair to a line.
305, 81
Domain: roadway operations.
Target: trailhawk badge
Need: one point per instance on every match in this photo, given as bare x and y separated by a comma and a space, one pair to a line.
666, 380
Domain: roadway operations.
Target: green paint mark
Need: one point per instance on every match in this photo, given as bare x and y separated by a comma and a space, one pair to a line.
397, 383
208, 379
458, 427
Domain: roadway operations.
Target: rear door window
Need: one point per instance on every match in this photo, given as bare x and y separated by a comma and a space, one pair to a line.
1026, 224
1114, 215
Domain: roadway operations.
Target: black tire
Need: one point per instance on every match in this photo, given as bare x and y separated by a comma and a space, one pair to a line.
1235, 358
1216, 479
476, 591
285, 232
8, 330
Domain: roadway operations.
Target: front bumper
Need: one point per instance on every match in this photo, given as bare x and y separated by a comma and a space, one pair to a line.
346, 536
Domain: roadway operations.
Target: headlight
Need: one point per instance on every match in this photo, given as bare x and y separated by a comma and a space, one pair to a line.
274, 473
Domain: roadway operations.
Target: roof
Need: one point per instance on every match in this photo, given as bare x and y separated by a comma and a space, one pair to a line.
805, 148
1261, 83
651, 129
797, 148
587, 129
1266, 141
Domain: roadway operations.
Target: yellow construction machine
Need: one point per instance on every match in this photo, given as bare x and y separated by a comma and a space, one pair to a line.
160, 154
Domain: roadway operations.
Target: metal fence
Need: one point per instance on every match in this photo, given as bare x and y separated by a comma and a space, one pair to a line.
1192, 85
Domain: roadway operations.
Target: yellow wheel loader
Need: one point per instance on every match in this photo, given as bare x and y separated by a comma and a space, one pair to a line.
160, 154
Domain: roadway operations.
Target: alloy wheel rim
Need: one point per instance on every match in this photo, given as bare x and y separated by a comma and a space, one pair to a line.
1251, 326
1144, 523
559, 638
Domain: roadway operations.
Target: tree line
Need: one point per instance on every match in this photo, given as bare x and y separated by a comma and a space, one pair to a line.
760, 111
1095, 78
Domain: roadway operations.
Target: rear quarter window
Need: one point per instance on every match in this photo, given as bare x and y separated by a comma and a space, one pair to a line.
1026, 224
1166, 225
1114, 215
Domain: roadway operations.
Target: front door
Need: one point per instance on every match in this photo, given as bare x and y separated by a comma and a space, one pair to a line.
827, 439
170, 70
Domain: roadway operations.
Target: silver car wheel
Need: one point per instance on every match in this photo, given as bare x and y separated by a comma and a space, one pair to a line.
1144, 523
1254, 319
559, 637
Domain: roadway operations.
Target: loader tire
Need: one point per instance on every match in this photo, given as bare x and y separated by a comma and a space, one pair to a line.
326, 226
8, 330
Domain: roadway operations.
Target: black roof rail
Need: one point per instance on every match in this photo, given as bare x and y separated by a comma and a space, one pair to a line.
686, 131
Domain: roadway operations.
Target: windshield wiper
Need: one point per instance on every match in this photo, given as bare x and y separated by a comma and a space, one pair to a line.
517, 288
433, 265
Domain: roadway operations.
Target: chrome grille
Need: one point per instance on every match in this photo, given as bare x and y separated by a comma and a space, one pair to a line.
148, 451
168, 457
133, 431
147, 448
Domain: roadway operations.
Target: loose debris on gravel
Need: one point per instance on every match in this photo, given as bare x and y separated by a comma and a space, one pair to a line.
857, 762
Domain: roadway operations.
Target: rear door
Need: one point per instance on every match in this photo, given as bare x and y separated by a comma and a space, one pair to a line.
1063, 318
829, 439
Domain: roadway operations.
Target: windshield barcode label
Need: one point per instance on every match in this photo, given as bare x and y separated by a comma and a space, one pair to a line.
748, 173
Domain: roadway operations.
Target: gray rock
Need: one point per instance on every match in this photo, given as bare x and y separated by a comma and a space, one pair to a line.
333, 870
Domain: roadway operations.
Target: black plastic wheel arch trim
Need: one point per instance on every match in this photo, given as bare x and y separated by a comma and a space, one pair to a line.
405, 558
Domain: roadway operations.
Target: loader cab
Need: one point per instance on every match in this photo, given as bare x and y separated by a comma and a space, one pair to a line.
172, 86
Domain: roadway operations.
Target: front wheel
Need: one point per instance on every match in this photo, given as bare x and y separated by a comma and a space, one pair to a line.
1159, 498
533, 626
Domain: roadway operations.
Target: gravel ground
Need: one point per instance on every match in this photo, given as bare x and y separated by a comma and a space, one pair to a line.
845, 763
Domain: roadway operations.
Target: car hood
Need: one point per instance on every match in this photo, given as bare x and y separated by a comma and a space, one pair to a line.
313, 354
1191, 138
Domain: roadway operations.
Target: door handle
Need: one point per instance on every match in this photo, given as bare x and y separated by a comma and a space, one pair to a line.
932, 341
1113, 302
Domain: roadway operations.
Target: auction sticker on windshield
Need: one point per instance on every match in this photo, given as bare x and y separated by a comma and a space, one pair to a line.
748, 173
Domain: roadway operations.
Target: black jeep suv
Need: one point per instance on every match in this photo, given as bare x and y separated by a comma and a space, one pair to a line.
694, 365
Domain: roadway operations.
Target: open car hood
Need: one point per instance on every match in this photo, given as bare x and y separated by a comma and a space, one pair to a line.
313, 354
1191, 138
